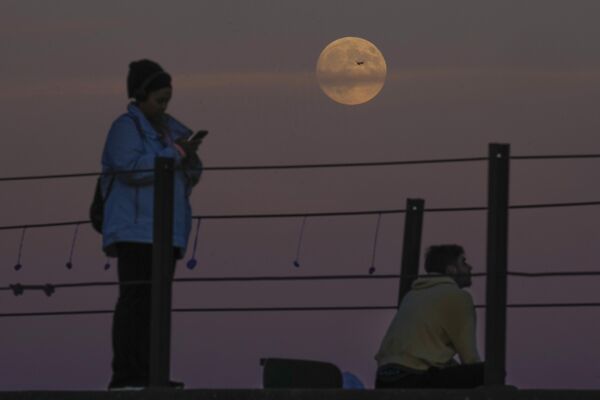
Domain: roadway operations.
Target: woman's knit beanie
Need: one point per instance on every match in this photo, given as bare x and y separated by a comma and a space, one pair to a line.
145, 76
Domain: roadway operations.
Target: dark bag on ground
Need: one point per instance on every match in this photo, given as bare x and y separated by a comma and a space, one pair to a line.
282, 373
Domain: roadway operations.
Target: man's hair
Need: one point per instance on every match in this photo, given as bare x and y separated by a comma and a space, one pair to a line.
440, 256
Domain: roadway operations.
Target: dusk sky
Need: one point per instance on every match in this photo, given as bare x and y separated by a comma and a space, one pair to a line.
460, 74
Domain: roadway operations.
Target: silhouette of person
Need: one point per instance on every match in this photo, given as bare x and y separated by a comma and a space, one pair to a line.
435, 322
135, 139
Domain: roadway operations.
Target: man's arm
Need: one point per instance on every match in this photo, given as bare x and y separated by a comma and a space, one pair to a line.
462, 328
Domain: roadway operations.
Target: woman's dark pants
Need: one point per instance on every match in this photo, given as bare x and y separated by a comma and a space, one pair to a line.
131, 320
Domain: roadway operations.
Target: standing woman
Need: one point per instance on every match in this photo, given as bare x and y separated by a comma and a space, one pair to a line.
135, 139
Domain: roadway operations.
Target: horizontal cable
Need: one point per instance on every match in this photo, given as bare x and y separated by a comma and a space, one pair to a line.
300, 215
455, 209
347, 165
44, 287
555, 205
55, 313
555, 157
308, 278
549, 305
393, 211
47, 225
256, 167
280, 309
518, 206
325, 214
44, 177
76, 175
267, 309
19, 288
550, 274
226, 216
293, 278
49, 289
310, 166
362, 308
216, 279
22, 287
198, 310
286, 278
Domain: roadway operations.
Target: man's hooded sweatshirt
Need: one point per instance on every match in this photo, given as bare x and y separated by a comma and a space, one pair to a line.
435, 321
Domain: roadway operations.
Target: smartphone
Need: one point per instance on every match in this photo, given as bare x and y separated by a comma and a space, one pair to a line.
198, 136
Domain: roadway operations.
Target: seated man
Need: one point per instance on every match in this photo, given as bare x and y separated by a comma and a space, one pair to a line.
435, 321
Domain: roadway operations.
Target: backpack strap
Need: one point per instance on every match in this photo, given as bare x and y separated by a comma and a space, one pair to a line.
138, 128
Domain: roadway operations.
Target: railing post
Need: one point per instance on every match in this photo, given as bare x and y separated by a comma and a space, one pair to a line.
413, 226
497, 258
162, 262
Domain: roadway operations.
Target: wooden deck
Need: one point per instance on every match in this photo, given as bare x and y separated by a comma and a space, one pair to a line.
309, 394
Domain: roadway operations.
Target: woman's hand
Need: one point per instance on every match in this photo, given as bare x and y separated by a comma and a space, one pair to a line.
189, 147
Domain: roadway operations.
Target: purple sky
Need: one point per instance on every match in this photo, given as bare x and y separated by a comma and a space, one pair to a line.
461, 74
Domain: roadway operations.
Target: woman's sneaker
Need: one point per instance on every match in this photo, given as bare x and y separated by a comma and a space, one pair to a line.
176, 385
141, 385
128, 385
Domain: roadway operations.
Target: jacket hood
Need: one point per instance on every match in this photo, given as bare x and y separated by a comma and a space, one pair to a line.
434, 280
178, 129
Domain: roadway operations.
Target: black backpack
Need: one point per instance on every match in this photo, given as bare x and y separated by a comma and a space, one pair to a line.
97, 206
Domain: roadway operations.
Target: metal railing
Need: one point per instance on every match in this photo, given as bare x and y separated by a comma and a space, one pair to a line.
496, 266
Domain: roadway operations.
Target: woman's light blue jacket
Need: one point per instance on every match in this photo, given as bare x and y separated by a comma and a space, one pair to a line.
133, 144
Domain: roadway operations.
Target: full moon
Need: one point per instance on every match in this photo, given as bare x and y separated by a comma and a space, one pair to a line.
351, 70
